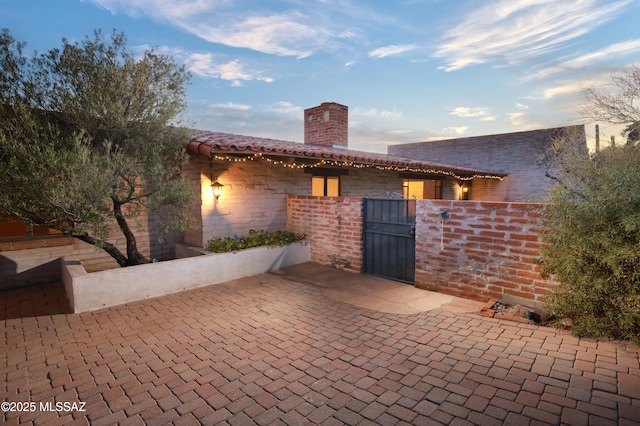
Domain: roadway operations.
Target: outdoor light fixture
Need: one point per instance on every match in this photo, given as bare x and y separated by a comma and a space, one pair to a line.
464, 191
217, 189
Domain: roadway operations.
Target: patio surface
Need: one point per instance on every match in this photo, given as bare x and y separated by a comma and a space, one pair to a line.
307, 345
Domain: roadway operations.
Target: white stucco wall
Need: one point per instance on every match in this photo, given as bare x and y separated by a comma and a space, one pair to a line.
91, 291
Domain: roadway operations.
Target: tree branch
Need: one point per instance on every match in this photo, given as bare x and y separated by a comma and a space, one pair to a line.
106, 246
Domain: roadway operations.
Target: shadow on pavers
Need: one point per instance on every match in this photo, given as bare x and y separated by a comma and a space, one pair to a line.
375, 293
34, 301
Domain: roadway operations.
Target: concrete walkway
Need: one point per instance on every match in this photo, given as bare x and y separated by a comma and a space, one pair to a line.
308, 345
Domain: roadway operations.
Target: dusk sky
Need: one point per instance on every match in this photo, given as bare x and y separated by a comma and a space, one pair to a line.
409, 71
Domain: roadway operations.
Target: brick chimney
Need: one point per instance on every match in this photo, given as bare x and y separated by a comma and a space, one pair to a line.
327, 125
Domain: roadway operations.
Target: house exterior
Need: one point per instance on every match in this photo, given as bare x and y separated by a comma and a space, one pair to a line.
517, 154
258, 174
258, 177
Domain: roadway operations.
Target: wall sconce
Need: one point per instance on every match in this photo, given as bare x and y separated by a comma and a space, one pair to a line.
217, 189
464, 190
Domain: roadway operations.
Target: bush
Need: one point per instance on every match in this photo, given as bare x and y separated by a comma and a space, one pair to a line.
255, 239
592, 241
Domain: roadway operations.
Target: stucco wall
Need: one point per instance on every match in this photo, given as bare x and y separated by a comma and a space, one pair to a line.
102, 289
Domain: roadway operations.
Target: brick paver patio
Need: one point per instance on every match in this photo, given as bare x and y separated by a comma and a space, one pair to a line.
273, 350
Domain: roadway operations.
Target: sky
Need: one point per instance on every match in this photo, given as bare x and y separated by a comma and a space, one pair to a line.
409, 70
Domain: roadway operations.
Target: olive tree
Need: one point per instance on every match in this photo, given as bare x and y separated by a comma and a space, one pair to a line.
90, 140
592, 228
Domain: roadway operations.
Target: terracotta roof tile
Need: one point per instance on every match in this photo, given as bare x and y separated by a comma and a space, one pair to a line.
210, 144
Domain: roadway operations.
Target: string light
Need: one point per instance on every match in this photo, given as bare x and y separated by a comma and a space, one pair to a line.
350, 164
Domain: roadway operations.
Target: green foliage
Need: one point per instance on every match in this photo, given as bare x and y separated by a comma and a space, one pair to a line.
89, 140
593, 240
255, 239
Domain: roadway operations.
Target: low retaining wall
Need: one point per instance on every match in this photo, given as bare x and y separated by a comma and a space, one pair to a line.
36, 260
91, 291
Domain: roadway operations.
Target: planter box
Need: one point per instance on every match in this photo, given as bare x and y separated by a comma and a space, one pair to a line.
91, 291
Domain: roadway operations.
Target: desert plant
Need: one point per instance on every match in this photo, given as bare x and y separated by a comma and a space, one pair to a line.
592, 240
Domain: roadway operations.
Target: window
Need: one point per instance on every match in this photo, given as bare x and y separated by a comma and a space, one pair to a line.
326, 181
327, 186
422, 188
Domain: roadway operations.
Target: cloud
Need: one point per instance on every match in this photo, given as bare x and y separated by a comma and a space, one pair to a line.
280, 35
572, 87
600, 56
210, 66
178, 9
230, 106
481, 112
399, 132
394, 49
290, 32
469, 112
363, 136
374, 113
516, 118
521, 121
204, 65
455, 130
286, 108
223, 117
512, 31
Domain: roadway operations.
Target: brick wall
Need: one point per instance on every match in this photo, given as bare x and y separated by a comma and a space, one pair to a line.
332, 225
255, 195
517, 154
488, 250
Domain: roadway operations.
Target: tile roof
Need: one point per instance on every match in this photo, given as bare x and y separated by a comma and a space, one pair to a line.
212, 144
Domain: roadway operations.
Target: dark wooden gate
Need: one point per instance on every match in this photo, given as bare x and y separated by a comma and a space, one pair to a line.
389, 248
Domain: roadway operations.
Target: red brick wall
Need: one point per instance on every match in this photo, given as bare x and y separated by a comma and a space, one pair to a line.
332, 225
488, 250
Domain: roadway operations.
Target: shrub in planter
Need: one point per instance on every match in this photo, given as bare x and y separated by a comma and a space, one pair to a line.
254, 239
